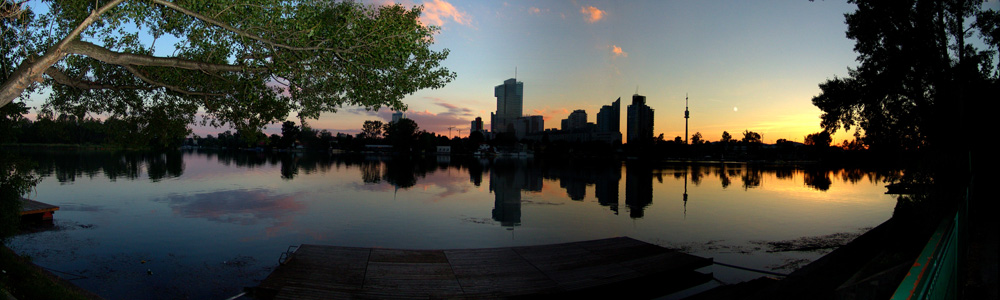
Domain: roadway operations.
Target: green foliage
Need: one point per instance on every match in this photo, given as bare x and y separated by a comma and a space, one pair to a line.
16, 179
371, 130
245, 63
12, 121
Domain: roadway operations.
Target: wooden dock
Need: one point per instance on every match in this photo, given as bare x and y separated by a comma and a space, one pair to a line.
37, 210
615, 266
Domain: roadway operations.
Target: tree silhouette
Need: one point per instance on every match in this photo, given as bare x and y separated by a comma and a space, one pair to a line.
918, 75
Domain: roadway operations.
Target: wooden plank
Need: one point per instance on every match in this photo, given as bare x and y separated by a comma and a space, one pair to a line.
29, 207
575, 269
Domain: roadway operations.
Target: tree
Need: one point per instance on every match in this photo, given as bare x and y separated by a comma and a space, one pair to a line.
820, 139
243, 64
289, 133
751, 137
726, 137
696, 139
401, 134
371, 130
919, 76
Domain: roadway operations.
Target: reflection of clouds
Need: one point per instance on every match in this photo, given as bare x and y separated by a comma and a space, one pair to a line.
243, 207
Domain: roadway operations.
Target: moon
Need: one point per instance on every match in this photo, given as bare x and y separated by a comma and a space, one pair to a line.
735, 108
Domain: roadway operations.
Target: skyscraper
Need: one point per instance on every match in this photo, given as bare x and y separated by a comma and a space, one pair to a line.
640, 121
609, 118
396, 116
510, 101
477, 125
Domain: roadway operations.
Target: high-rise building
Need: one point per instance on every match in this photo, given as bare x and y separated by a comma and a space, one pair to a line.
396, 116
577, 120
609, 118
477, 125
640, 121
510, 102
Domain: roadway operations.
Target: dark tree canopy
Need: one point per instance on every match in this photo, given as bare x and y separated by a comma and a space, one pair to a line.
820, 139
919, 75
243, 63
751, 137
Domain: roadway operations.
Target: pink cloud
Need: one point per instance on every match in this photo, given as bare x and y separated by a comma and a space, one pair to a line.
437, 11
460, 118
592, 14
617, 52
551, 115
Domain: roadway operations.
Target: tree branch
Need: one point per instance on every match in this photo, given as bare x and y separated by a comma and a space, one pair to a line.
31, 70
64, 79
174, 88
125, 59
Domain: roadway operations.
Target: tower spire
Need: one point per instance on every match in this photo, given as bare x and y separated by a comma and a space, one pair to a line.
687, 115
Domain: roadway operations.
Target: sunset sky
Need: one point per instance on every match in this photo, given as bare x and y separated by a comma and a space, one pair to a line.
746, 65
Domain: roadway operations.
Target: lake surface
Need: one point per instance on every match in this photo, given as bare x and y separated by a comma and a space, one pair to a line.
206, 224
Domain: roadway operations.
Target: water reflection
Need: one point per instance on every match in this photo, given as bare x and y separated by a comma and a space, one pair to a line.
242, 207
509, 179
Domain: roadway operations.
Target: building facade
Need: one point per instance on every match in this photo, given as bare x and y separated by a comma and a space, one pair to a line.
640, 121
477, 125
609, 118
510, 102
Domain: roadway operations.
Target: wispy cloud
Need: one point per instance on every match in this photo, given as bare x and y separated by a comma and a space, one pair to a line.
537, 11
436, 12
618, 52
592, 14
457, 117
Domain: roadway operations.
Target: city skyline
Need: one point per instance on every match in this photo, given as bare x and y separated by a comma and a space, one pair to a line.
745, 65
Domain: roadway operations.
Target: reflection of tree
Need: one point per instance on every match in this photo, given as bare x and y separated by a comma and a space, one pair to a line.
695, 174
818, 179
402, 173
723, 176
371, 171
852, 175
751, 178
783, 173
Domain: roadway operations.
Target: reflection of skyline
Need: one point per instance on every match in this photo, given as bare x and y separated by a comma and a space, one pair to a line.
508, 178
638, 188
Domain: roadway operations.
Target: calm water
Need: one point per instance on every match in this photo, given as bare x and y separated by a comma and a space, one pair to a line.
205, 225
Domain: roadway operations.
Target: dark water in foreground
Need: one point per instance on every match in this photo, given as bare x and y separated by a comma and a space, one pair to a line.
205, 225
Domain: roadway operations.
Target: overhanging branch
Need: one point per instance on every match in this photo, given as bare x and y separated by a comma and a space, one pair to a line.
125, 59
64, 79
174, 88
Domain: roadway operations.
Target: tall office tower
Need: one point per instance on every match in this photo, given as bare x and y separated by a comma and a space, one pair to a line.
577, 120
510, 101
640, 121
609, 118
396, 116
477, 125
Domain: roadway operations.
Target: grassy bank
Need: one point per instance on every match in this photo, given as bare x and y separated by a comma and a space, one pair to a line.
25, 280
